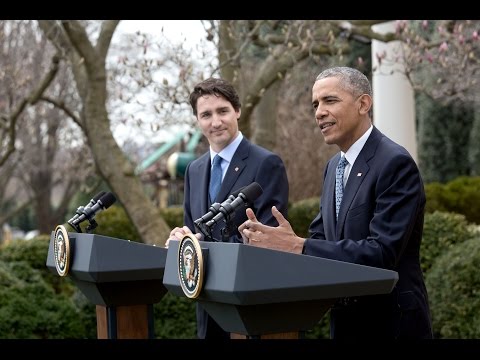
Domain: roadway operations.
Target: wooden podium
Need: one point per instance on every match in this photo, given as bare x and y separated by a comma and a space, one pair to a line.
263, 293
123, 278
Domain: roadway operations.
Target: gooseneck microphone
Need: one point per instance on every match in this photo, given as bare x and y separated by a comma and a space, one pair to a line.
226, 211
88, 213
81, 209
246, 196
215, 208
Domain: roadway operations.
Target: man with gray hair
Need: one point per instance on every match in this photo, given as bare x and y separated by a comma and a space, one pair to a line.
371, 213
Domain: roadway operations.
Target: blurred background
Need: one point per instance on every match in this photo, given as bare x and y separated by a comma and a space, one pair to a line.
87, 106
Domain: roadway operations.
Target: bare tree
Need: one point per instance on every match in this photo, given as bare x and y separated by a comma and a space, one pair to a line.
151, 80
128, 77
87, 61
39, 175
260, 57
257, 55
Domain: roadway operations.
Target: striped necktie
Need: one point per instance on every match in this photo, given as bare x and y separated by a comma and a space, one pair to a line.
339, 183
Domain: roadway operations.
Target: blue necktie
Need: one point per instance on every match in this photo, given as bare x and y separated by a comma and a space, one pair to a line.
339, 183
215, 178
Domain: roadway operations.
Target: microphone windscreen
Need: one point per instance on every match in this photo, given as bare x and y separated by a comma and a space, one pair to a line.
98, 196
238, 191
107, 200
252, 192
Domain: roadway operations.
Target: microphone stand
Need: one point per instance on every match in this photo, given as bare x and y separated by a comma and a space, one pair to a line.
92, 225
229, 227
226, 232
76, 227
201, 227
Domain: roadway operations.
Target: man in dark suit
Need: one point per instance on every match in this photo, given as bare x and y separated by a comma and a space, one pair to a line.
217, 107
381, 207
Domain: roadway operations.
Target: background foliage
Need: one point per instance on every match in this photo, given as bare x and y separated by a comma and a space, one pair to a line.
36, 303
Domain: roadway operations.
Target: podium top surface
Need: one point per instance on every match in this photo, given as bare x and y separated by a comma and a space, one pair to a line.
245, 275
98, 258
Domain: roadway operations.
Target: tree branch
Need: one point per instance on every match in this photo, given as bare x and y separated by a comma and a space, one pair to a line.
61, 105
105, 37
14, 212
79, 39
31, 99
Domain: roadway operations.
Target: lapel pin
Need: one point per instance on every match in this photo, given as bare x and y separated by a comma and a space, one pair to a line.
236, 169
359, 174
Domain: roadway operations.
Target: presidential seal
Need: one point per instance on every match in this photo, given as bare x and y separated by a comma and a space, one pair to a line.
190, 266
61, 250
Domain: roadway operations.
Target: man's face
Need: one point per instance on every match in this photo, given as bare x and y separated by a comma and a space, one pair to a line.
217, 120
337, 113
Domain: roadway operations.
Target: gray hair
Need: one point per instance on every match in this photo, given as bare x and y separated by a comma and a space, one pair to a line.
351, 80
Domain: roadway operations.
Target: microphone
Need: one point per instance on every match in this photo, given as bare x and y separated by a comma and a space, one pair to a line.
215, 208
81, 209
247, 195
88, 213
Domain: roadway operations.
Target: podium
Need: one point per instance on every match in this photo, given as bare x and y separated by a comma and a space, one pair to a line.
123, 278
264, 293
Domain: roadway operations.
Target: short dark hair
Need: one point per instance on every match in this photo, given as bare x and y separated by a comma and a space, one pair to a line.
217, 87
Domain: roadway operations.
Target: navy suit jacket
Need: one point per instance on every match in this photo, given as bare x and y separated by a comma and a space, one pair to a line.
380, 224
250, 163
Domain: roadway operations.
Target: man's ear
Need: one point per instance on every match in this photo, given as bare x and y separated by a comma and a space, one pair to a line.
365, 103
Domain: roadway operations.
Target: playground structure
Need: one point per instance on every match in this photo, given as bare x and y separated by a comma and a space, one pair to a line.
163, 170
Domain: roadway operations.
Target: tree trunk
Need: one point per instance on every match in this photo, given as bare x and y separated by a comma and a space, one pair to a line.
88, 66
115, 168
265, 118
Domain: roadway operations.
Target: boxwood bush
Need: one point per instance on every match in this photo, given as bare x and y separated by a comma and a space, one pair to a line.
461, 196
301, 214
30, 308
453, 285
441, 231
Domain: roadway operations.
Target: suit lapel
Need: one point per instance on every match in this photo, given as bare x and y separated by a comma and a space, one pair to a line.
238, 163
357, 175
202, 180
355, 179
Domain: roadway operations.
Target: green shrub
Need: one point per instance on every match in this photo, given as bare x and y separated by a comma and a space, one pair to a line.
174, 318
453, 285
34, 252
173, 216
7, 277
301, 214
435, 200
461, 195
441, 231
321, 330
29, 308
87, 314
115, 223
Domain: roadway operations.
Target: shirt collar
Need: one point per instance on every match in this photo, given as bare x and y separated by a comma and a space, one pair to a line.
354, 150
228, 152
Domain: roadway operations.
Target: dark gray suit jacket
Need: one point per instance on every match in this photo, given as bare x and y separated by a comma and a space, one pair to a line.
251, 163
380, 224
